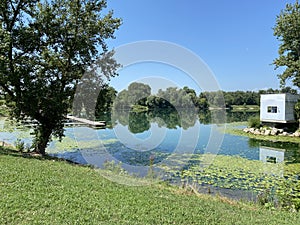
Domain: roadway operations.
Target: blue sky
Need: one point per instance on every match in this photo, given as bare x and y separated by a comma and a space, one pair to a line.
233, 37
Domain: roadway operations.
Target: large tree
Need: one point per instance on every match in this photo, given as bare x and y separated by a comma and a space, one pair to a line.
287, 31
45, 48
136, 94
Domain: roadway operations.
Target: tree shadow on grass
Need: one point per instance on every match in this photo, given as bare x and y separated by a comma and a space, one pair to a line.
10, 151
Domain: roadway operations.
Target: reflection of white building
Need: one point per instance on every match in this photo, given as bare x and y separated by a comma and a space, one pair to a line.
273, 155
278, 108
273, 159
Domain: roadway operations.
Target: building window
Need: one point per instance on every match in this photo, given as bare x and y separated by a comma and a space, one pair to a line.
272, 109
271, 159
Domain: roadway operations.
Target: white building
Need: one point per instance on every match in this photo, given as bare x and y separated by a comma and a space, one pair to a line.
278, 108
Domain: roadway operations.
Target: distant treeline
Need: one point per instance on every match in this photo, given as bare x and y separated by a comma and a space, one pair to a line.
139, 95
241, 97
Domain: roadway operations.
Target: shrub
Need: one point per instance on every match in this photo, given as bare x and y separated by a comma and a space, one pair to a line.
20, 146
254, 122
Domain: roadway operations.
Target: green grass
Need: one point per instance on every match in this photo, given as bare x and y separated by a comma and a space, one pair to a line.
245, 108
48, 191
231, 128
275, 138
139, 108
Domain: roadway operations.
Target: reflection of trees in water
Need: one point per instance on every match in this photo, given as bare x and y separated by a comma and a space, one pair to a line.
239, 116
188, 118
218, 116
165, 118
120, 116
204, 117
212, 116
105, 116
139, 122
170, 118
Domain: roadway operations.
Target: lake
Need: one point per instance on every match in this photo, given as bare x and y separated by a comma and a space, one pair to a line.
188, 149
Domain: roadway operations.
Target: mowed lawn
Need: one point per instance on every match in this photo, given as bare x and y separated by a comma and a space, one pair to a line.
47, 191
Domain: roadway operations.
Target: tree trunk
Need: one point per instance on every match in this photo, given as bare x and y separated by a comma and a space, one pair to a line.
42, 138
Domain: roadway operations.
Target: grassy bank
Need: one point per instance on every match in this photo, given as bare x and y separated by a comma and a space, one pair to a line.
235, 131
245, 108
47, 191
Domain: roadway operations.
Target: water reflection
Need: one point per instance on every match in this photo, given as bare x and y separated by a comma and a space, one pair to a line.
273, 159
139, 122
239, 116
155, 134
291, 151
271, 155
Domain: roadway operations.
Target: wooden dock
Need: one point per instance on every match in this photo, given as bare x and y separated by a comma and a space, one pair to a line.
91, 123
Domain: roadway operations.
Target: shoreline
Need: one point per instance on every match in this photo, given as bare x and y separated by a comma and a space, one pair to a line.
271, 138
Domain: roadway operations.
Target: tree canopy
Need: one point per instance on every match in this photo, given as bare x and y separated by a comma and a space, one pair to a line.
287, 31
45, 48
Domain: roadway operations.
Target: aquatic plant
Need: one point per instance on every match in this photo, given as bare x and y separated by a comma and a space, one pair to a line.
276, 185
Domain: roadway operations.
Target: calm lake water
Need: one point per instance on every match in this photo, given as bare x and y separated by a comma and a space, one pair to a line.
179, 149
134, 139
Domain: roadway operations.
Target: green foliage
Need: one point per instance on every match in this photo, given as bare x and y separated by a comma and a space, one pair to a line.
175, 98
203, 102
254, 122
232, 98
105, 100
46, 47
4, 110
287, 30
156, 103
178, 98
171, 98
136, 94
240, 98
297, 110
19, 144
268, 198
